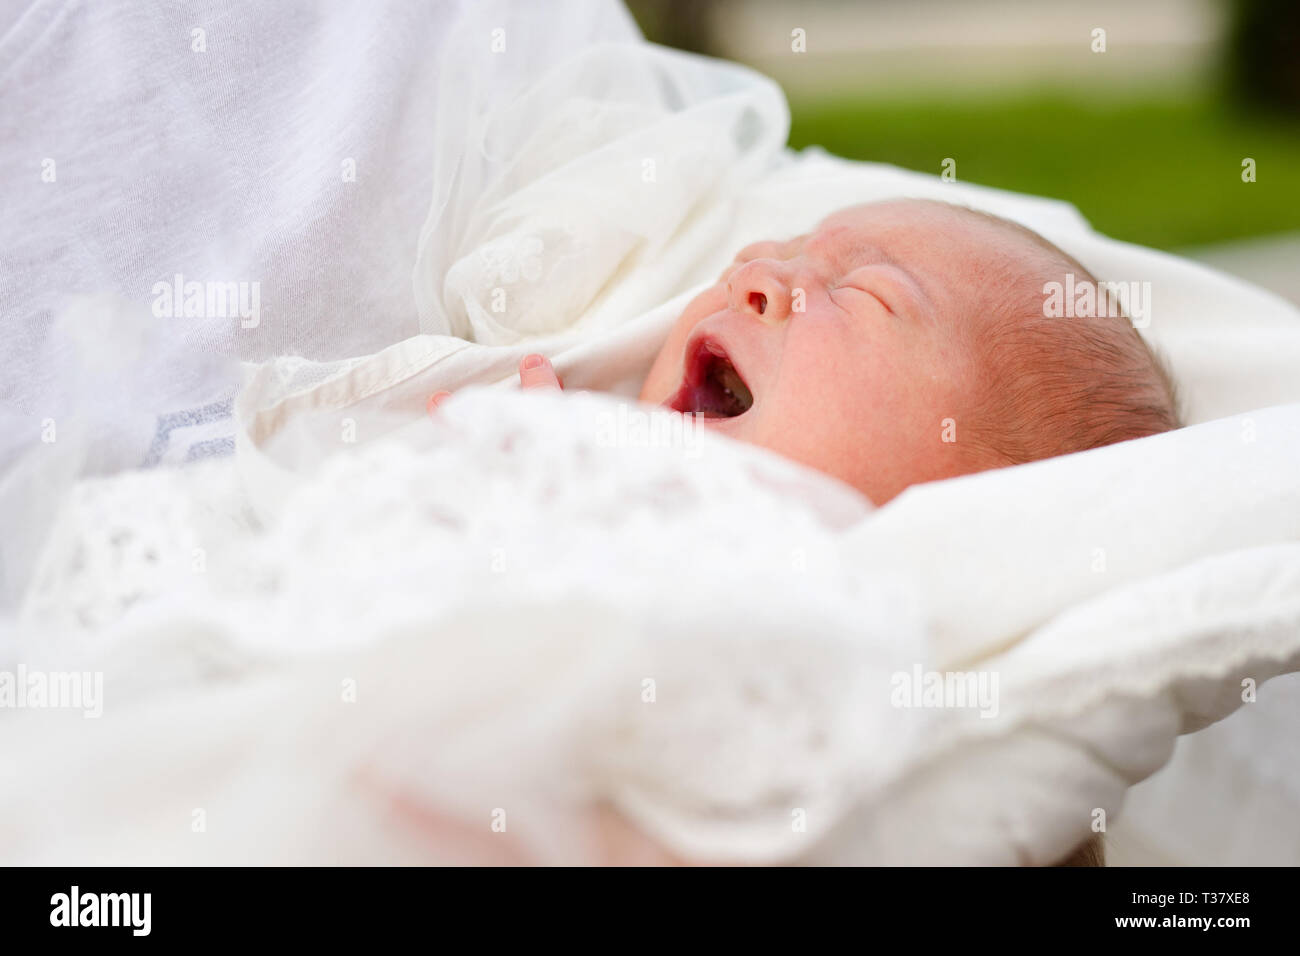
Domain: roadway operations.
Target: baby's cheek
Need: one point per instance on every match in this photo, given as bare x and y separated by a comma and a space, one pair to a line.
658, 384
840, 413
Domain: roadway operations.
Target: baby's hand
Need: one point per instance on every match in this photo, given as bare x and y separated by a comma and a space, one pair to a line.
535, 371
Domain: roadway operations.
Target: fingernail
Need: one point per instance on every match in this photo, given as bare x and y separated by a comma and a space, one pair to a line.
436, 399
533, 361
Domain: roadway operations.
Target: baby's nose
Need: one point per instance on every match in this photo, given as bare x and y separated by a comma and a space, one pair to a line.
758, 289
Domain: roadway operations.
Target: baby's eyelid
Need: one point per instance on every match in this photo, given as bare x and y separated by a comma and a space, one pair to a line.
862, 287
895, 292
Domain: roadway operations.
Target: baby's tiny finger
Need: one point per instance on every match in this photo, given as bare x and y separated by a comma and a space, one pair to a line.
535, 371
436, 399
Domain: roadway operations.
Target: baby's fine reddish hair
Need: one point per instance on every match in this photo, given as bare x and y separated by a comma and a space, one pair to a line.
1060, 385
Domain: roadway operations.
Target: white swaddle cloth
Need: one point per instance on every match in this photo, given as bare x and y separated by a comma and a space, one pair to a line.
505, 612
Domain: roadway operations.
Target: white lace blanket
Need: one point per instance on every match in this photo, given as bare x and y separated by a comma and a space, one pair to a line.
537, 606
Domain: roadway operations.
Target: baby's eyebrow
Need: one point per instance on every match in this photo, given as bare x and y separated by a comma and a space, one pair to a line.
858, 251
869, 254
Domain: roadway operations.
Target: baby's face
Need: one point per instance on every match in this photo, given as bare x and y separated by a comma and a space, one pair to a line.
847, 348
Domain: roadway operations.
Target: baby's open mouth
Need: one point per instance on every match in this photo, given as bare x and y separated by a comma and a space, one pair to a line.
712, 386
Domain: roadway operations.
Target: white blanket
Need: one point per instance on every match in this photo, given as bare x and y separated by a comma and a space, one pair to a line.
532, 608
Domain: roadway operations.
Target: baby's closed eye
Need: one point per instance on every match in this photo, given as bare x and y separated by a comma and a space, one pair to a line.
888, 285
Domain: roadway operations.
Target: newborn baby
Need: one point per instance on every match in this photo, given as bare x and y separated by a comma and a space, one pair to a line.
900, 342
903, 342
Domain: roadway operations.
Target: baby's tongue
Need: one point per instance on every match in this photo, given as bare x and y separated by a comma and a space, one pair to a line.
710, 402
722, 394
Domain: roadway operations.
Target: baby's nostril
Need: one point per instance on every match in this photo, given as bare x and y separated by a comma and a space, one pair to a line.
758, 302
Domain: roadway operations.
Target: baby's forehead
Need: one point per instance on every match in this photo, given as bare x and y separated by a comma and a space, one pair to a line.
847, 233
890, 232
928, 238
896, 219
839, 240
929, 241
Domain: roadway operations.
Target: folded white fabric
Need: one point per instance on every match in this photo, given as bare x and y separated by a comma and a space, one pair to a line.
1229, 796
505, 610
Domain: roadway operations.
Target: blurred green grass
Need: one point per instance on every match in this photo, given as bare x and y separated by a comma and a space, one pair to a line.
1160, 172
